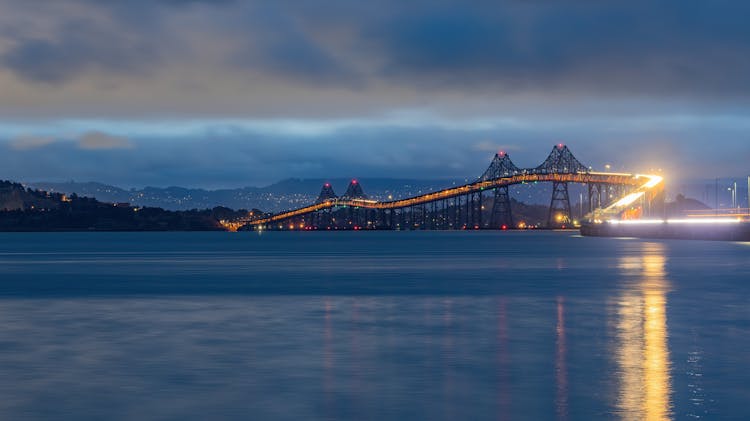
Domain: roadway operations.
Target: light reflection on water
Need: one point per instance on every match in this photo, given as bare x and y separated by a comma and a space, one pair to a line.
545, 326
643, 353
561, 371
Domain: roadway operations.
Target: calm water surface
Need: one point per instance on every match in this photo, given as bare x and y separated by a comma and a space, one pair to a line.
372, 325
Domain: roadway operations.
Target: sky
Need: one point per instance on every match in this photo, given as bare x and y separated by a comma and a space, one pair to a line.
229, 93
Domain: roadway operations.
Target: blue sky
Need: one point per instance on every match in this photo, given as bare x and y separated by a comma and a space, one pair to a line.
233, 93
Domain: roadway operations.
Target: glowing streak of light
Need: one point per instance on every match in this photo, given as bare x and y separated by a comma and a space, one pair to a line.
627, 200
697, 221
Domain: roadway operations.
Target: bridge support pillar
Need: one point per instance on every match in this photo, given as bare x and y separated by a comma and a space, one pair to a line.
559, 207
444, 223
501, 212
480, 207
433, 216
468, 215
458, 212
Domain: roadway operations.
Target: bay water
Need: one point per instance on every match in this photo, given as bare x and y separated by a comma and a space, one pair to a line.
372, 325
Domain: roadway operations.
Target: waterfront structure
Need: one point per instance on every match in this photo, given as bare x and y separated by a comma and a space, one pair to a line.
463, 207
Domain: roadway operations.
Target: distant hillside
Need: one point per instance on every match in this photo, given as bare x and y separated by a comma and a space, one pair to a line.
683, 205
714, 192
24, 209
285, 194
16, 197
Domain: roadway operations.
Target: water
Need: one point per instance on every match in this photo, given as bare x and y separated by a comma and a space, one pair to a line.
372, 325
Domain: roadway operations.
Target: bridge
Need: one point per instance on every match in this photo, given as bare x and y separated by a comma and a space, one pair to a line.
463, 207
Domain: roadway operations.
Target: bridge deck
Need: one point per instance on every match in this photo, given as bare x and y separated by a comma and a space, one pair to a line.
579, 177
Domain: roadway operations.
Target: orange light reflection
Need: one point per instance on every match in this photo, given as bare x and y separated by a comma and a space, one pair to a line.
643, 352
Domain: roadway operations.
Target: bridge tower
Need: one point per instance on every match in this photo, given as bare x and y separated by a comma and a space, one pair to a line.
324, 218
326, 193
500, 167
560, 161
501, 212
559, 207
354, 191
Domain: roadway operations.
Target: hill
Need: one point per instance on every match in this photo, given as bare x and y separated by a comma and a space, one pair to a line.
25, 209
286, 194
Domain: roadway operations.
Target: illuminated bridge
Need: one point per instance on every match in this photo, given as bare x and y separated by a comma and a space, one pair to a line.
464, 207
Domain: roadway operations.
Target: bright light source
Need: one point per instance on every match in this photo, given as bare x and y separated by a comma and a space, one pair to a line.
627, 200
636, 221
705, 221
696, 221
655, 179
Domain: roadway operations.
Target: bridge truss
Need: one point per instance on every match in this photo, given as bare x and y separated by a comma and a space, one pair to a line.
462, 207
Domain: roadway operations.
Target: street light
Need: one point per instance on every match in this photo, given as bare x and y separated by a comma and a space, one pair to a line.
733, 191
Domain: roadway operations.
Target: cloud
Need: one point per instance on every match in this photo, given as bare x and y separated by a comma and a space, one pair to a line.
27, 142
91, 141
295, 58
625, 48
610, 76
78, 47
101, 141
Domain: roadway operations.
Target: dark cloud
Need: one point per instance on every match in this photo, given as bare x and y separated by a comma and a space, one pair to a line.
280, 45
79, 46
581, 64
623, 47
659, 47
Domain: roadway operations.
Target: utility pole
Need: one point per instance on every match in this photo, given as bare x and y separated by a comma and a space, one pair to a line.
716, 196
580, 205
